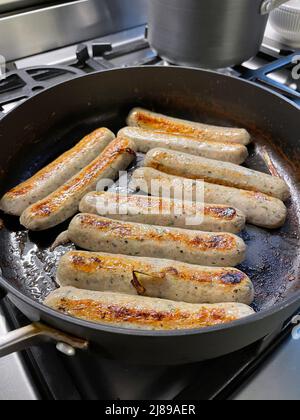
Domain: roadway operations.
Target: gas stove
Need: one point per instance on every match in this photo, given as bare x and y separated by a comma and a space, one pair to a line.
267, 370
273, 67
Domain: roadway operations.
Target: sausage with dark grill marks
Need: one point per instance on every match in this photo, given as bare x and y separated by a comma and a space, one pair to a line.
146, 140
164, 212
143, 313
95, 233
260, 209
57, 173
151, 277
216, 172
64, 202
152, 121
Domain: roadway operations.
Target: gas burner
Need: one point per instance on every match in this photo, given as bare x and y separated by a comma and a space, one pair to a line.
19, 85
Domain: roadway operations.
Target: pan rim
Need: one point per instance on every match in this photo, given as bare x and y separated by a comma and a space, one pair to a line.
136, 332
146, 68
41, 308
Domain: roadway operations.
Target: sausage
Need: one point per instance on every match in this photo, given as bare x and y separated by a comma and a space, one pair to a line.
57, 173
147, 140
260, 209
216, 172
154, 278
152, 121
64, 202
143, 313
164, 212
96, 233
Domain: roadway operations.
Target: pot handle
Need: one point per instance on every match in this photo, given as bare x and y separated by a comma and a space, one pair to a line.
269, 5
38, 333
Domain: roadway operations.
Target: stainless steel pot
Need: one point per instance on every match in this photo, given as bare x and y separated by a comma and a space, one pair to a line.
208, 33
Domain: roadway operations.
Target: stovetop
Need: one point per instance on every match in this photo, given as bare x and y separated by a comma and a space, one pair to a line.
267, 370
274, 66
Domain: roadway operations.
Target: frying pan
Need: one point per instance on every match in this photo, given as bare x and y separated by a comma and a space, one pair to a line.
49, 123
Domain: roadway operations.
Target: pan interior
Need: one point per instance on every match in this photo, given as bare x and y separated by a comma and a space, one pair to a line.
28, 263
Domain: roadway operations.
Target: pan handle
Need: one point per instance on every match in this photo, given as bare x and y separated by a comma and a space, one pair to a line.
38, 333
269, 5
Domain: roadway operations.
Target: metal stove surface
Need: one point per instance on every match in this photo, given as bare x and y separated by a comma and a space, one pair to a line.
267, 370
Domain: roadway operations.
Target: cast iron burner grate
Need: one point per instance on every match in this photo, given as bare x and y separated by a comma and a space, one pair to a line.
19, 85
264, 74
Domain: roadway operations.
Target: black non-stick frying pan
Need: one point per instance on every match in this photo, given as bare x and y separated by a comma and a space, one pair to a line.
49, 123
